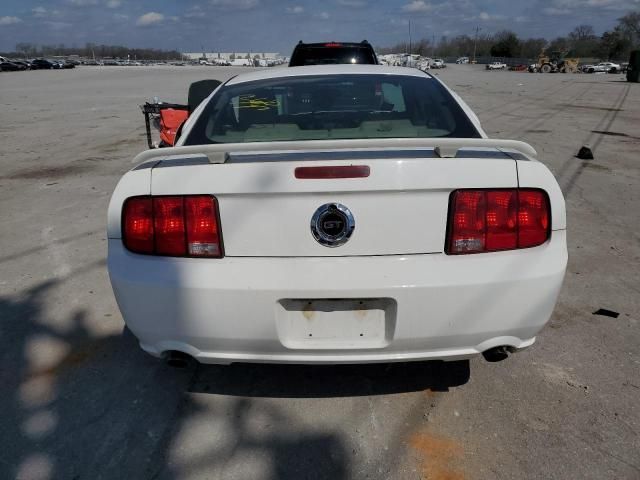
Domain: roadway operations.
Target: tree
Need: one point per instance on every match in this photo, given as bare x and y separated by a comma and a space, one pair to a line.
630, 23
26, 49
560, 44
583, 41
614, 45
532, 47
421, 47
506, 45
582, 32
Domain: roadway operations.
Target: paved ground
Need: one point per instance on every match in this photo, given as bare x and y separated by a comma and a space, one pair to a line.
81, 401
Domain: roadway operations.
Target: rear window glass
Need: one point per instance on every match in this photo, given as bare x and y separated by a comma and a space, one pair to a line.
330, 107
331, 55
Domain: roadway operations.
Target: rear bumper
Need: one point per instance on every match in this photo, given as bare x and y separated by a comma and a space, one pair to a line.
435, 306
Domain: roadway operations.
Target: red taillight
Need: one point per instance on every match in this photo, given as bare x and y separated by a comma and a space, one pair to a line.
501, 218
533, 218
332, 45
137, 224
203, 239
498, 219
178, 226
335, 171
168, 222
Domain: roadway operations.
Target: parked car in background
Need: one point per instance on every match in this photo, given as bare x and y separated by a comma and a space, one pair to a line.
610, 67
242, 62
42, 64
438, 63
607, 67
24, 63
424, 64
12, 67
333, 53
496, 66
462, 60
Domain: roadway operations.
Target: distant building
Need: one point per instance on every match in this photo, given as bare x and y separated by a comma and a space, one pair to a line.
228, 56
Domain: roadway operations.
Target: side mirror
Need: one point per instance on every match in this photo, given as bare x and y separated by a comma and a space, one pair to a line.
198, 91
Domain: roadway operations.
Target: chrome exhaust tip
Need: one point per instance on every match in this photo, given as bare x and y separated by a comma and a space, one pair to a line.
177, 359
497, 354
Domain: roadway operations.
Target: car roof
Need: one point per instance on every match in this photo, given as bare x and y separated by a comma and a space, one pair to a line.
363, 44
339, 69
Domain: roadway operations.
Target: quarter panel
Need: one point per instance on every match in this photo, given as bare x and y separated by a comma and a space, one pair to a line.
534, 174
134, 183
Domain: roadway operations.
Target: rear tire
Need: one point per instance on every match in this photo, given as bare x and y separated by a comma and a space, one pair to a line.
546, 68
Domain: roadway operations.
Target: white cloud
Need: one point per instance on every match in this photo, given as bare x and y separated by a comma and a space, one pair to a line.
352, 3
417, 6
296, 10
39, 12
488, 17
324, 15
151, 18
235, 4
556, 11
114, 3
58, 25
83, 3
195, 12
567, 7
9, 20
402, 22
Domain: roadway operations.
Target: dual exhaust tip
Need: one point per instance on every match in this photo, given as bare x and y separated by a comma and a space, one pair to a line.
177, 359
497, 354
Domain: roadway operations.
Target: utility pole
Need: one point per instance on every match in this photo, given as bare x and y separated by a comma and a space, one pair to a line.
475, 44
433, 45
410, 37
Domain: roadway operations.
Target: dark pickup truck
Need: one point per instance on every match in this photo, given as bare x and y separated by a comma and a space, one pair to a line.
333, 53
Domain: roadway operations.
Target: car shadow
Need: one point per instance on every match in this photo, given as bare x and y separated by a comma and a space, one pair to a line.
84, 413
322, 381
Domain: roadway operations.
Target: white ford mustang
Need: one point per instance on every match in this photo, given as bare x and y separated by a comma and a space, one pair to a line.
336, 214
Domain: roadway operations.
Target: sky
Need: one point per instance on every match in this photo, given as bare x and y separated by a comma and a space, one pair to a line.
276, 25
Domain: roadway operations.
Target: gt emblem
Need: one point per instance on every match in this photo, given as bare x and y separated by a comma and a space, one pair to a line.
332, 224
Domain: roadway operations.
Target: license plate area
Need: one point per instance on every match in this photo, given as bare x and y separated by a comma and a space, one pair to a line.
336, 324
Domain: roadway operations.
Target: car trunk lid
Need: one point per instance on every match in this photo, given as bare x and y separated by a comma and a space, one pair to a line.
399, 208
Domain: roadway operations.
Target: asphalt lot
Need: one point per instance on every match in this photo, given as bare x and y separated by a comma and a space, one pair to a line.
81, 401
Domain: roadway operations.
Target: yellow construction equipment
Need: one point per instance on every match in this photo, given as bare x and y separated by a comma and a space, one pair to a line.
556, 62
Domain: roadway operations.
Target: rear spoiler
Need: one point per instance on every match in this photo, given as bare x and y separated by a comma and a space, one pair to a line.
441, 147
